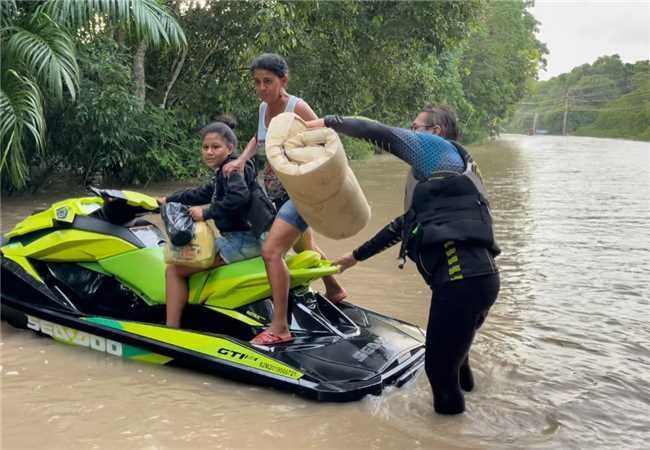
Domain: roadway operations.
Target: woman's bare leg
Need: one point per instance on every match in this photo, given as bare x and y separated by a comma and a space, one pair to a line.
176, 290
333, 290
280, 239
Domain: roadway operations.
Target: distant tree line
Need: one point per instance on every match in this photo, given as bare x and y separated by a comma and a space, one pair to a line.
605, 99
118, 88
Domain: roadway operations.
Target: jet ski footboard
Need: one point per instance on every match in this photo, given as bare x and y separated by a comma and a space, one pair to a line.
328, 315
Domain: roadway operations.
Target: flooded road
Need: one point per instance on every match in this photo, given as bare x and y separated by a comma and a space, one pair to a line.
563, 360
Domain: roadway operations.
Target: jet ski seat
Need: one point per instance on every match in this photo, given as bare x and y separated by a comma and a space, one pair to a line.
243, 282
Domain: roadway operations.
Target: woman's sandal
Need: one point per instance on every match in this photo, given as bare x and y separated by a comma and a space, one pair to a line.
267, 337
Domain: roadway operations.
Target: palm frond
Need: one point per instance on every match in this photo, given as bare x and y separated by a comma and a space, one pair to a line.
8, 9
145, 19
48, 52
21, 107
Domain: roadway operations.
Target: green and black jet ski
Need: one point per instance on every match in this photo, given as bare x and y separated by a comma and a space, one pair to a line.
90, 272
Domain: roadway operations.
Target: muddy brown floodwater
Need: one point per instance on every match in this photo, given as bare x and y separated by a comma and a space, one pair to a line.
563, 360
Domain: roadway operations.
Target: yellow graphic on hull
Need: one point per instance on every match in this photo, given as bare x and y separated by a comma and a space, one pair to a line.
212, 346
71, 245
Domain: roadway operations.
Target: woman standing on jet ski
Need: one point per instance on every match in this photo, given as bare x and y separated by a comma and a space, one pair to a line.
228, 199
271, 75
446, 230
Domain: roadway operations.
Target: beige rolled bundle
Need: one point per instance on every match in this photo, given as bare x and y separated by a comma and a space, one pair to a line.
313, 168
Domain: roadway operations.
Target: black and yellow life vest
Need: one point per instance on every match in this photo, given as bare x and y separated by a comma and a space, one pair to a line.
449, 206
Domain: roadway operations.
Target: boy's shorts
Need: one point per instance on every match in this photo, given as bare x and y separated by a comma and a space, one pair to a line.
238, 245
289, 214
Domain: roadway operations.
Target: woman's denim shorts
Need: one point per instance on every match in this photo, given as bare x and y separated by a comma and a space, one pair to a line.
238, 245
289, 214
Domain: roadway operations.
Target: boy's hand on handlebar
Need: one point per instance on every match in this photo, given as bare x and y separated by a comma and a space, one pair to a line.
345, 262
197, 213
236, 165
317, 123
161, 200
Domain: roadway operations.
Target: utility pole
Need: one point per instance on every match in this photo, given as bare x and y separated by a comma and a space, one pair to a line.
535, 123
566, 112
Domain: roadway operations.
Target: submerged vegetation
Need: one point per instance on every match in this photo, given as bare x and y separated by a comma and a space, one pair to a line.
117, 88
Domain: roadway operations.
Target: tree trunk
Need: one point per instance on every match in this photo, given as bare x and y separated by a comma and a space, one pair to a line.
138, 73
120, 36
177, 70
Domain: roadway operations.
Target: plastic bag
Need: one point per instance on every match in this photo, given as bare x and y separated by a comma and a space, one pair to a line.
178, 223
200, 252
191, 243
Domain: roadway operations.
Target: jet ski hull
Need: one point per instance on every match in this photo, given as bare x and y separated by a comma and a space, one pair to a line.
373, 352
90, 272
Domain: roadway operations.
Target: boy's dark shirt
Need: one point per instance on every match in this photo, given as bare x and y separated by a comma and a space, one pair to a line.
228, 198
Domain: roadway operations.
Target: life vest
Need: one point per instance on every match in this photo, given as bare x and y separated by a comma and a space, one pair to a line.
449, 206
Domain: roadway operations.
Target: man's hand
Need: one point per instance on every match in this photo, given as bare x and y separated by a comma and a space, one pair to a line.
345, 262
197, 213
161, 200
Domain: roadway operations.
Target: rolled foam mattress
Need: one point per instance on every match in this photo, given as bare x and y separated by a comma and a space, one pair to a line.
313, 168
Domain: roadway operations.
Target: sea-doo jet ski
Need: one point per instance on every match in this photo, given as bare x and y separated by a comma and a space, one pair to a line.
90, 272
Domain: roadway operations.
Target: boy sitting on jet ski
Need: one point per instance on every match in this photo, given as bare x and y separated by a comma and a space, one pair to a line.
229, 205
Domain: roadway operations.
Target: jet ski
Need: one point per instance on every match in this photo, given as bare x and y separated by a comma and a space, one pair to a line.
90, 272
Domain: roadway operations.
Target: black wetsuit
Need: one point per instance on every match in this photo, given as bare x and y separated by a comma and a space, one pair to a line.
463, 276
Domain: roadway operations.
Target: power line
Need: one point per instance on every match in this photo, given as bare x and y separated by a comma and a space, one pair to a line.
632, 108
597, 94
571, 110
556, 101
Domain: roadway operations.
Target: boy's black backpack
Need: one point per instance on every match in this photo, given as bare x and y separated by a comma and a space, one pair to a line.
261, 212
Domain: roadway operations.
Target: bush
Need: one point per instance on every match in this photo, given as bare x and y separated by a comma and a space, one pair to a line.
357, 149
105, 133
171, 151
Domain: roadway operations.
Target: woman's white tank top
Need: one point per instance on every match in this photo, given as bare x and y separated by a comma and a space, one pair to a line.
261, 126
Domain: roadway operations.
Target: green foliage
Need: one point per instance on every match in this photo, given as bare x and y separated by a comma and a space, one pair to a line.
37, 60
627, 116
142, 19
21, 107
606, 99
106, 133
377, 59
357, 149
47, 52
39, 63
214, 76
383, 60
499, 58
168, 152
345, 57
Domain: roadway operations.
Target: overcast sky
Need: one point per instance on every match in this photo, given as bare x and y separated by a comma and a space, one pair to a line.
578, 32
